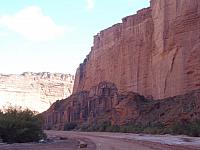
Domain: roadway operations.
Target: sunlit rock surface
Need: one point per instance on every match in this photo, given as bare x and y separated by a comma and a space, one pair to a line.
36, 91
154, 53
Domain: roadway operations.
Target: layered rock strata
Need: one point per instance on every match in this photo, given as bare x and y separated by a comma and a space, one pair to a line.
154, 53
105, 103
37, 91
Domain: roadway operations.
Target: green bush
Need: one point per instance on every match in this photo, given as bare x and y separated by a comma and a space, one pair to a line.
153, 130
100, 126
70, 126
187, 128
132, 128
84, 127
20, 126
113, 128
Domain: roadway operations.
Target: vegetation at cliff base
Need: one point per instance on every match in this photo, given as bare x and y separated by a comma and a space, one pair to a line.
191, 128
20, 126
70, 126
187, 128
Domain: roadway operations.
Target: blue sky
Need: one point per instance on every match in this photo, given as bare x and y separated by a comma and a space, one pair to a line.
55, 36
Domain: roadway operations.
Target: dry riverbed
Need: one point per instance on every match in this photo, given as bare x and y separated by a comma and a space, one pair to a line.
62, 140
54, 143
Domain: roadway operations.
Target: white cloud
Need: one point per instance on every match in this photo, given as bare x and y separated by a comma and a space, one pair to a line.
3, 34
90, 4
31, 23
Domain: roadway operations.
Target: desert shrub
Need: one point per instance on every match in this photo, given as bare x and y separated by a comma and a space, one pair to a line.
154, 128
113, 128
20, 126
102, 127
187, 128
70, 126
84, 127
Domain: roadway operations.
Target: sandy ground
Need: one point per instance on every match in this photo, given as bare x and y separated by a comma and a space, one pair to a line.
109, 141
123, 141
55, 144
64, 145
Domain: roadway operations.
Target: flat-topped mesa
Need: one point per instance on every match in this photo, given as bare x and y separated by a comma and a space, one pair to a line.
36, 91
153, 52
48, 75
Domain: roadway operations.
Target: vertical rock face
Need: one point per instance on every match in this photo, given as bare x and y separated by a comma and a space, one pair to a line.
175, 62
154, 53
36, 91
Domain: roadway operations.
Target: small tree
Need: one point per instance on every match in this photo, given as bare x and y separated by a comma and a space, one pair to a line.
17, 125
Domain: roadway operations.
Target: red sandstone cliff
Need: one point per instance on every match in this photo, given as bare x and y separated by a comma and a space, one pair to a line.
154, 53
105, 103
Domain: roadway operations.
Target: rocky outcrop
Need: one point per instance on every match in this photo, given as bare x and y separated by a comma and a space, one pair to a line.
81, 106
37, 91
154, 53
105, 103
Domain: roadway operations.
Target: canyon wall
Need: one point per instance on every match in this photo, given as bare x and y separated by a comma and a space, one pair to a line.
37, 91
154, 53
104, 103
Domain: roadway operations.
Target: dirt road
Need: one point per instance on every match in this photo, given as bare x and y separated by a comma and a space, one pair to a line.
63, 140
123, 141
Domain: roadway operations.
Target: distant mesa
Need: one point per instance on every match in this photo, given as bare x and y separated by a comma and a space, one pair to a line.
36, 91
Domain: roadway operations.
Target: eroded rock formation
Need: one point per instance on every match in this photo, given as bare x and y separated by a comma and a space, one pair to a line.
81, 106
105, 103
36, 91
154, 53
